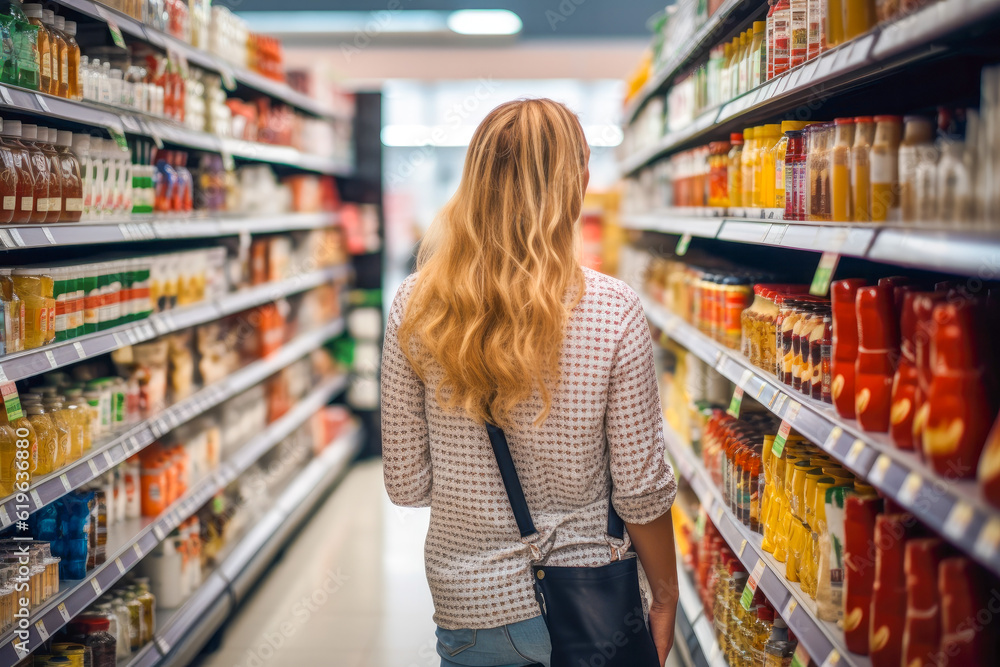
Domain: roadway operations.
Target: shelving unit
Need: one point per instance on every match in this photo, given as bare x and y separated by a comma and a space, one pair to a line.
917, 37
822, 639
21, 365
129, 542
704, 650
952, 507
183, 631
123, 445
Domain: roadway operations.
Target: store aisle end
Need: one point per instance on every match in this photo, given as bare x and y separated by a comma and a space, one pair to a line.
350, 591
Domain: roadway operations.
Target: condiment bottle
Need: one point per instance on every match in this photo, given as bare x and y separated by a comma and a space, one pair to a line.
53, 205
888, 610
954, 184
840, 179
752, 137
42, 172
72, 183
795, 176
904, 383
834, 15
781, 46
59, 81
960, 406
763, 173
73, 58
923, 309
799, 32
885, 193
988, 473
8, 180
48, 437
8, 446
965, 592
860, 166
817, 172
758, 54
53, 405
917, 136
859, 17
734, 175
34, 14
877, 354
922, 629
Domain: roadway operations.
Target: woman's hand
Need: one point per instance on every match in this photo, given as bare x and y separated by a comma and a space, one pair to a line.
661, 626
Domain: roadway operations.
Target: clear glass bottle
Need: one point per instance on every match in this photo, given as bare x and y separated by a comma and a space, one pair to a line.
918, 132
58, 86
864, 135
73, 58
34, 13
733, 170
48, 437
758, 54
954, 183
53, 204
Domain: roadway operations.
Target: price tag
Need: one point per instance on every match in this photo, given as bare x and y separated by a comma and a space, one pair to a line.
116, 34
51, 358
743, 547
16, 235
65, 482
79, 350
137, 549
832, 438
801, 657
96, 585
35, 498
734, 404
94, 470
881, 467
824, 274
5, 239
958, 520
158, 531
792, 411
779, 440
120, 566
43, 632
118, 340
790, 606
855, 452
109, 459
4, 517
48, 235
718, 512
988, 540
682, 244
18, 648
42, 104
118, 137
124, 230
162, 645
832, 659
6, 96
228, 79
911, 486
228, 163
64, 612
752, 582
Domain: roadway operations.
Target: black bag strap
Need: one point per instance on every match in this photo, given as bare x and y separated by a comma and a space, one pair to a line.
515, 494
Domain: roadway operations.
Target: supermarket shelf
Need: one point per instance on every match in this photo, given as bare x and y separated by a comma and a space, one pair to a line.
821, 639
705, 650
183, 631
730, 14
133, 28
859, 62
123, 445
150, 228
21, 365
951, 506
968, 252
128, 543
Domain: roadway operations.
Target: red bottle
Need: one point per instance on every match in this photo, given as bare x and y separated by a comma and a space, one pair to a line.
877, 355
859, 571
888, 609
989, 466
960, 409
923, 309
906, 380
965, 593
900, 286
922, 631
845, 343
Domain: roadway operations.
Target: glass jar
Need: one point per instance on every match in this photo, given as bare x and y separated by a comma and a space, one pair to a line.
818, 138
145, 596
795, 176
918, 136
864, 134
840, 177
736, 298
124, 646
93, 631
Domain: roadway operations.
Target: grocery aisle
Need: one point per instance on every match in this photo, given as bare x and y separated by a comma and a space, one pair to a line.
369, 555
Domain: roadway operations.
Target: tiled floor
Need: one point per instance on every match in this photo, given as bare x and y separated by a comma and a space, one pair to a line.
350, 591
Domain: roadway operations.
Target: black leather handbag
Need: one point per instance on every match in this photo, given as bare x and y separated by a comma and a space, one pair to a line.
594, 614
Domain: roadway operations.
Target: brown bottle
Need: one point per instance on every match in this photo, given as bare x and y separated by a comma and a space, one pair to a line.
34, 13
69, 172
8, 181
59, 84
877, 355
989, 465
843, 294
53, 207
42, 174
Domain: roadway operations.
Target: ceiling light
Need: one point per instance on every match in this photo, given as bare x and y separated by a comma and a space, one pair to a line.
485, 22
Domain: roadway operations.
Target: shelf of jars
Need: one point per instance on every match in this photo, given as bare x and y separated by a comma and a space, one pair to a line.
130, 541
936, 247
21, 365
120, 446
183, 630
860, 61
951, 505
230, 72
156, 228
823, 640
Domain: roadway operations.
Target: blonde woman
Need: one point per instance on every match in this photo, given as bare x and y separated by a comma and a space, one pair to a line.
502, 325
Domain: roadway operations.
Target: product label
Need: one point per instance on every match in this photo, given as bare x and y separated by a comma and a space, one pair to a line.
74, 204
65, 68
27, 203
55, 204
42, 204
824, 274
779, 440
682, 244
11, 401
47, 64
752, 584
9, 202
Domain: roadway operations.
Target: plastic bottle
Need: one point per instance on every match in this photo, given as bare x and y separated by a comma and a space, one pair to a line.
59, 84
71, 180
835, 17
70, 448
758, 54
8, 454
818, 138
734, 175
8, 179
922, 629
918, 133
817, 28
48, 437
799, 44
25, 46
878, 350
37, 301
859, 17
840, 178
763, 174
53, 204
34, 13
888, 609
954, 183
860, 165
744, 73
747, 161
24, 205
42, 173
75, 90
778, 650
885, 190
780, 151
795, 176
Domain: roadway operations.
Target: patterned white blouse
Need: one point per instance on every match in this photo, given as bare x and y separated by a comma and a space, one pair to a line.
604, 431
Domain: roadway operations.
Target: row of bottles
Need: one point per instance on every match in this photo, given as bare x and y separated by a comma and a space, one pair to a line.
44, 55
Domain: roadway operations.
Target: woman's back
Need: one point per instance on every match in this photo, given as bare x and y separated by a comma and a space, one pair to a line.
604, 416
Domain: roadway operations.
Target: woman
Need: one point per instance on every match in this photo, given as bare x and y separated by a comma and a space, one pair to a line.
501, 324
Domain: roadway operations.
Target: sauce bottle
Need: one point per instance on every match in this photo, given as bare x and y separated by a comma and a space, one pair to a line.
885, 168
799, 32
860, 168
59, 81
922, 628
818, 140
81, 149
877, 354
817, 28
24, 204
48, 437
843, 296
781, 46
42, 172
904, 383
751, 139
917, 136
734, 175
780, 152
758, 54
923, 308
53, 205
30, 290
34, 14
834, 22
888, 609
53, 405
988, 472
8, 180
75, 90
763, 173
840, 180
13, 313
72, 183
23, 428
965, 593
8, 446
960, 406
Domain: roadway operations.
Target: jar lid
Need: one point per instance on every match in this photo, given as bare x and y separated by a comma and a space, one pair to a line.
844, 121
863, 119
736, 138
888, 119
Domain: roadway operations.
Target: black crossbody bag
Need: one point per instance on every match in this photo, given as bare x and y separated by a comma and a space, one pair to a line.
594, 614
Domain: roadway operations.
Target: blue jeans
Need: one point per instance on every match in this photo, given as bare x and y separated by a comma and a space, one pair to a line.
514, 645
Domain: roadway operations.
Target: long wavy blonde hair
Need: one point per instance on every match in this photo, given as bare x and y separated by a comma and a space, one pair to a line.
499, 269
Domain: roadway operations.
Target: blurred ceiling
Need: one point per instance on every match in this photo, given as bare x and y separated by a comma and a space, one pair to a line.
542, 19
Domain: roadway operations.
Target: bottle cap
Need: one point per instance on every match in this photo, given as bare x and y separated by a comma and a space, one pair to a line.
843, 121
736, 138
70, 28
772, 130
863, 119
789, 125
748, 133
29, 132
32, 10
60, 23
759, 26
888, 119
81, 143
11, 128
64, 138
48, 17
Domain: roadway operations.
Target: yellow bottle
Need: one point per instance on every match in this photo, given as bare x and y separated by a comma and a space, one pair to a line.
746, 164
48, 437
764, 171
8, 456
70, 443
82, 416
840, 180
23, 429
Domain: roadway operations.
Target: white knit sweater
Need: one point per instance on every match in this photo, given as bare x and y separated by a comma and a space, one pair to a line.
605, 424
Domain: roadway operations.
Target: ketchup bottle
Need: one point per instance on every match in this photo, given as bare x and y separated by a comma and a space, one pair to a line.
888, 610
877, 355
906, 380
922, 630
965, 593
859, 568
845, 343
